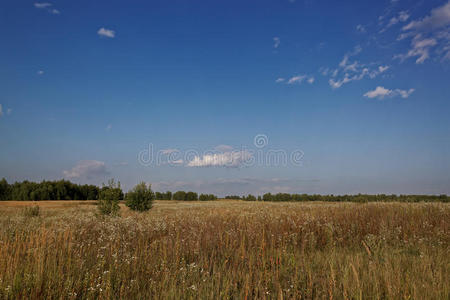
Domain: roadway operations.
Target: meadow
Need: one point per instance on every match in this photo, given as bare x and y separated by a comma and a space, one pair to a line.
225, 250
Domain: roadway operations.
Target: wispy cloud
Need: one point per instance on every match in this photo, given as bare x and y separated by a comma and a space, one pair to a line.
40, 72
430, 34
276, 42
2, 112
360, 28
299, 79
106, 32
108, 127
87, 169
47, 6
42, 5
439, 17
352, 70
420, 48
381, 93
402, 16
296, 79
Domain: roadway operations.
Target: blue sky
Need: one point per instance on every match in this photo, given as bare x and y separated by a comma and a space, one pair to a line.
350, 96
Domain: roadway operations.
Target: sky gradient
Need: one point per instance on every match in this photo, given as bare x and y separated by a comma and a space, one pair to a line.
357, 91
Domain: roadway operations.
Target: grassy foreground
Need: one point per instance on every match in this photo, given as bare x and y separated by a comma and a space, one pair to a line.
227, 249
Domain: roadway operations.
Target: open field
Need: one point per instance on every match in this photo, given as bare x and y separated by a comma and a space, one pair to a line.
226, 249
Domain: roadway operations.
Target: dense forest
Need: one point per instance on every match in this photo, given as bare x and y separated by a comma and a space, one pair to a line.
66, 190
47, 190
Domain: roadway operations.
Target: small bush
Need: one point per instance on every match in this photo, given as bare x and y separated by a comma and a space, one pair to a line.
140, 198
31, 211
109, 197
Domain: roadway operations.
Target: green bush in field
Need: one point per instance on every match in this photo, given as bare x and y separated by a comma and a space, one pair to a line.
109, 197
140, 198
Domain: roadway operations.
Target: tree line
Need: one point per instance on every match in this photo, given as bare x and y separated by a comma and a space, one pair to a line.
66, 190
285, 197
47, 190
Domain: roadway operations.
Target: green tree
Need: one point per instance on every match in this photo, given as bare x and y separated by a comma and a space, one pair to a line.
140, 198
109, 197
207, 197
191, 196
180, 196
249, 198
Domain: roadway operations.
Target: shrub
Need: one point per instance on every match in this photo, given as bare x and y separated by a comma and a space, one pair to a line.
109, 197
140, 198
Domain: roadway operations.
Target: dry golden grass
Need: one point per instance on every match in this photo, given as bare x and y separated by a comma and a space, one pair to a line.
227, 249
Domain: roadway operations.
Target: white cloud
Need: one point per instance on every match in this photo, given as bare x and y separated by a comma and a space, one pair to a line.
429, 33
276, 42
338, 83
324, 71
279, 80
42, 5
352, 71
232, 159
358, 75
420, 48
403, 93
8, 111
360, 28
382, 69
47, 6
345, 60
381, 92
298, 79
403, 16
438, 17
87, 169
106, 32
40, 72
